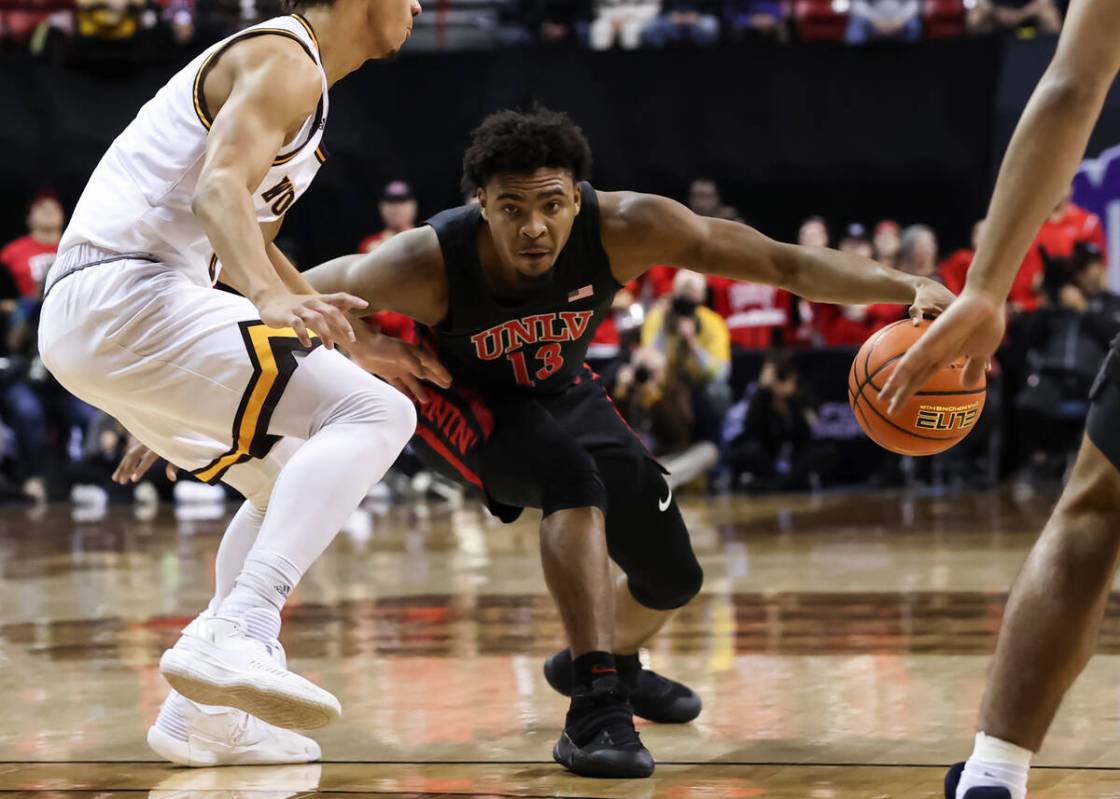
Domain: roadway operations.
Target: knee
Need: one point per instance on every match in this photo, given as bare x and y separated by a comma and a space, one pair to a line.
668, 585
400, 415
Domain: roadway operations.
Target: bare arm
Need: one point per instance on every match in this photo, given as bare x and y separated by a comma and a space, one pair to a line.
641, 229
1048, 143
405, 274
273, 88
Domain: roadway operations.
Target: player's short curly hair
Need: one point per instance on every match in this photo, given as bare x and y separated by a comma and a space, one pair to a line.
525, 141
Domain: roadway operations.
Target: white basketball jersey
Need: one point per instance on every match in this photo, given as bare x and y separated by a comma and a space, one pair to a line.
138, 199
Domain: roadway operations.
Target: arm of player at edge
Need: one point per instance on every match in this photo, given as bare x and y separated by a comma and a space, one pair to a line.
1042, 158
273, 88
640, 230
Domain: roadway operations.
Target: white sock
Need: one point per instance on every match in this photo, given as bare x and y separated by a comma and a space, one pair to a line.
996, 764
171, 718
238, 539
316, 491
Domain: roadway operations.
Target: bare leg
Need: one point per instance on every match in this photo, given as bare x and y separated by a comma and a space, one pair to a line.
1056, 606
634, 624
578, 573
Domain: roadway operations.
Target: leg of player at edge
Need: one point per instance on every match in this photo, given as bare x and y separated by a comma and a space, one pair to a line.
1049, 630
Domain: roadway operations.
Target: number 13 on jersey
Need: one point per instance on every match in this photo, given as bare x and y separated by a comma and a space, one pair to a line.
549, 361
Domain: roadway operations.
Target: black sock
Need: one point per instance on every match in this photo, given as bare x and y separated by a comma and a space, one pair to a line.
591, 666
628, 667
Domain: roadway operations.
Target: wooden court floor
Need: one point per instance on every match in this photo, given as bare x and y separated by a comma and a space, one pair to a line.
840, 645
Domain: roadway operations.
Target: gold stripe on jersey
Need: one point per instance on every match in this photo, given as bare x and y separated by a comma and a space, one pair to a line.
200, 106
302, 20
272, 353
321, 154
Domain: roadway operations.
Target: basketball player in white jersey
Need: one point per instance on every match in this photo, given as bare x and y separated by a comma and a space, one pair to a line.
245, 389
1055, 608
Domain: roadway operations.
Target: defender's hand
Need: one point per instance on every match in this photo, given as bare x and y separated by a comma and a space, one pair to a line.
325, 314
972, 328
136, 462
931, 299
402, 365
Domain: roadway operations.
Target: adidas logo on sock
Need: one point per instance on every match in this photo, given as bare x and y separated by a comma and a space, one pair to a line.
283, 590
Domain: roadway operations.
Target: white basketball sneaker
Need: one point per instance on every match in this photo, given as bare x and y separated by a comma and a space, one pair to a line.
216, 663
223, 736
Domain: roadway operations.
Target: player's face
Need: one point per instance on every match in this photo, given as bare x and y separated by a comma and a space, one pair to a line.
530, 217
390, 24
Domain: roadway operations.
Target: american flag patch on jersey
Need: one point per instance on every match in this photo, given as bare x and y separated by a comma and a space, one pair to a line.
580, 294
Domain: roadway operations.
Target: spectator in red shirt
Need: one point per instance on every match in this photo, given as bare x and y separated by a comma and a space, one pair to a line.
1068, 226
757, 316
848, 325
954, 268
887, 240
27, 259
398, 214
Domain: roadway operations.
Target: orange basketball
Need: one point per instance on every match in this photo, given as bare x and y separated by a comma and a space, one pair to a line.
939, 415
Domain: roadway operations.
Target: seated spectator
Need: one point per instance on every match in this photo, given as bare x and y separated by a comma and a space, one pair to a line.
660, 414
398, 214
705, 199
1067, 339
1068, 226
995, 16
108, 20
814, 233
27, 259
684, 22
886, 243
760, 19
178, 15
557, 21
34, 22
774, 450
697, 349
917, 253
622, 22
954, 269
884, 20
855, 241
758, 316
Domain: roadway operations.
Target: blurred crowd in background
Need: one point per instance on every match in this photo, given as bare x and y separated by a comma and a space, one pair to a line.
152, 29
691, 361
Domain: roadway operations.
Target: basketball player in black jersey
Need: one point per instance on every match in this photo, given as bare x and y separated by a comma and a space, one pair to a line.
510, 292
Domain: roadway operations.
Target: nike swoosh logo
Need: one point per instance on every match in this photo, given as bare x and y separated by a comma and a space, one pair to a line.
663, 504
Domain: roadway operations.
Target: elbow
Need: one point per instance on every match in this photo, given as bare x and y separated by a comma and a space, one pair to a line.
210, 195
787, 268
1063, 91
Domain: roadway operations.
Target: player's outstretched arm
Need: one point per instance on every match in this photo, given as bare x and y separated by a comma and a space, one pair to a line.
405, 275
270, 87
640, 230
1041, 160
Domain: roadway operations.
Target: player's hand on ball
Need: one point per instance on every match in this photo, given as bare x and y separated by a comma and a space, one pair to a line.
404, 366
971, 328
136, 462
324, 314
931, 299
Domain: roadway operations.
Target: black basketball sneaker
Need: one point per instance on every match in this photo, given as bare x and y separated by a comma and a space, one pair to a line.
599, 739
653, 697
953, 778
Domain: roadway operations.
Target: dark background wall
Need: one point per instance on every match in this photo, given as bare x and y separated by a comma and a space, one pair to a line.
912, 133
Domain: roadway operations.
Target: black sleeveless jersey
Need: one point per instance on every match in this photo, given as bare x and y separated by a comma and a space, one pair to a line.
537, 345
